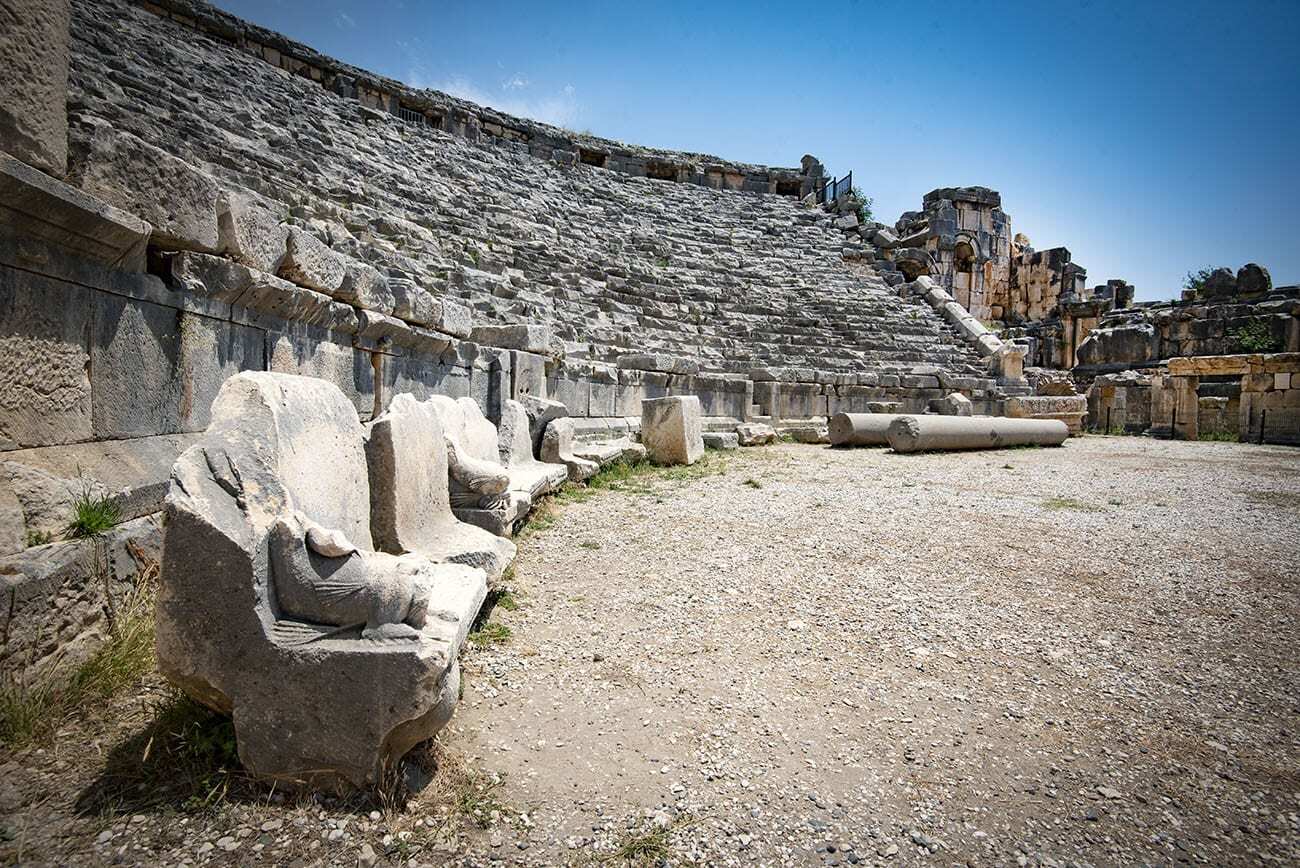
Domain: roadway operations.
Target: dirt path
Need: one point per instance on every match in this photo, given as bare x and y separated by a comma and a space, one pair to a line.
1083, 654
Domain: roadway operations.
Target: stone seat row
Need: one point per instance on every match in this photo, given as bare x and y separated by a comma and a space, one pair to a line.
320, 576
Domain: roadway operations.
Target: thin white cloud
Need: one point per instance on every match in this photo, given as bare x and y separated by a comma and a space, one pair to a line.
561, 109
344, 21
515, 82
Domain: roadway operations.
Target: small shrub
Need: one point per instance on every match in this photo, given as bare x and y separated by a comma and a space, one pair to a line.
1196, 279
589, 544
864, 209
92, 515
753, 483
1218, 436
1256, 337
39, 538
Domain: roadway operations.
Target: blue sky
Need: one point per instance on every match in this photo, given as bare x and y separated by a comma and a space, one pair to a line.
1148, 138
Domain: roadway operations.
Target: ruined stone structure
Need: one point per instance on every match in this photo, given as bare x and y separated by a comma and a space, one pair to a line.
484, 307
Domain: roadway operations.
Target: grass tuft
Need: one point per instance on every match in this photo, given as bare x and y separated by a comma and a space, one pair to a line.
92, 515
1070, 503
490, 634
753, 483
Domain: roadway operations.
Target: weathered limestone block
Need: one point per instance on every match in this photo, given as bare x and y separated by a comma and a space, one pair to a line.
480, 485
311, 263
34, 87
952, 404
1070, 409
860, 429
658, 362
941, 433
1130, 343
725, 440
1008, 363
46, 501
529, 337
529, 476
808, 433
180, 202
367, 287
527, 377
670, 429
333, 659
410, 507
155, 370
44, 361
557, 447
313, 352
755, 434
13, 523
252, 234
541, 411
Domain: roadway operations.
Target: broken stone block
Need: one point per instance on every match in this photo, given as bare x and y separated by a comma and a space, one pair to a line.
952, 404
333, 659
808, 434
180, 202
1069, 409
311, 263
755, 434
252, 234
721, 440
1253, 279
541, 411
609, 452
410, 504
670, 429
557, 447
34, 88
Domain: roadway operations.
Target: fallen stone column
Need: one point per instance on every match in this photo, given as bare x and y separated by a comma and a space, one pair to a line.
861, 429
937, 433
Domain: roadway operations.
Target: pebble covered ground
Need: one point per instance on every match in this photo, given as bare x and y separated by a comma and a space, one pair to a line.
1084, 655
1043, 656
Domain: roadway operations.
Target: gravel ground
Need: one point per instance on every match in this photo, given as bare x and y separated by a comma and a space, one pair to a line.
1085, 654
1047, 656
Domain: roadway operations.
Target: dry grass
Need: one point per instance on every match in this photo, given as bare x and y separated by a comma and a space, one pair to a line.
35, 701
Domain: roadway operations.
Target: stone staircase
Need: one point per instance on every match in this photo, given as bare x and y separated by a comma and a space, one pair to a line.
615, 264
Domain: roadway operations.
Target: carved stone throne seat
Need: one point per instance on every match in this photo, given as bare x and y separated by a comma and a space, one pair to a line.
484, 492
410, 506
333, 659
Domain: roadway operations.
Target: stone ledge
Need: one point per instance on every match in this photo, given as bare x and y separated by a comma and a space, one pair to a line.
58, 214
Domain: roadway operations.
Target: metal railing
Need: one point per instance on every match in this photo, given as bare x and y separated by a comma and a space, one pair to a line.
413, 117
834, 189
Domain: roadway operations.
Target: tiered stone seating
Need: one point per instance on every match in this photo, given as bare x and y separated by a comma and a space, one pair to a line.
615, 264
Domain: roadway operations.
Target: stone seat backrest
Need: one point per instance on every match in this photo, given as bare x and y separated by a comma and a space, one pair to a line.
468, 431
406, 444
